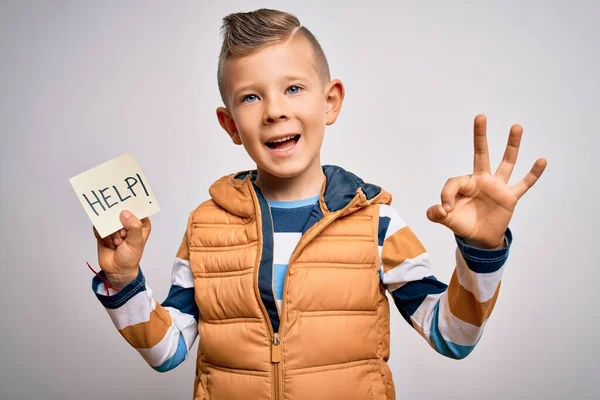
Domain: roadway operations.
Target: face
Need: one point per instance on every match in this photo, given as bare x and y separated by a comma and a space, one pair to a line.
278, 107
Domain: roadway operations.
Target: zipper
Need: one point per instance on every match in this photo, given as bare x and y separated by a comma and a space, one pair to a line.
275, 338
276, 341
275, 360
273, 265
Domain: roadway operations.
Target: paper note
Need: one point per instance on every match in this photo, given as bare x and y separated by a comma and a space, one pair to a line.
114, 186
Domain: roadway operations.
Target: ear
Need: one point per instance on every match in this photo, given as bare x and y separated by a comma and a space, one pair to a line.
334, 97
228, 124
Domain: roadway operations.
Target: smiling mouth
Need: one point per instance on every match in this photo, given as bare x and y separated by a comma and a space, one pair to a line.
284, 143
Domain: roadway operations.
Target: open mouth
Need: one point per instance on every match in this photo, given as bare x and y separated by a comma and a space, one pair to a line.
283, 143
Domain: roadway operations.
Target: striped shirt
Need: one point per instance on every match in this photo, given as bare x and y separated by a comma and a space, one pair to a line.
450, 317
289, 219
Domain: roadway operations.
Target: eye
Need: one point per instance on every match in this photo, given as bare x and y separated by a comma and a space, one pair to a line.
249, 98
294, 89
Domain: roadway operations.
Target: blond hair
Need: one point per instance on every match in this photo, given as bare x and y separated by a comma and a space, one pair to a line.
245, 33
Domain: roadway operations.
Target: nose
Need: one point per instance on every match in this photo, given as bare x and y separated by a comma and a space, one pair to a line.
275, 110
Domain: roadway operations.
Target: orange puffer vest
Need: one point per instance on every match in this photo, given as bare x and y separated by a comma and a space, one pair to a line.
332, 338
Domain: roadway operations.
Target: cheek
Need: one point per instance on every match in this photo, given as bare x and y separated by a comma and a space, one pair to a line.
313, 112
245, 122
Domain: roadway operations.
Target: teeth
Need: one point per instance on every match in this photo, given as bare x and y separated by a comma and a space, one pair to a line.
283, 139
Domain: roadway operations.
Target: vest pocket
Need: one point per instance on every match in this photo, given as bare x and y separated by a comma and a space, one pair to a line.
377, 387
358, 380
231, 384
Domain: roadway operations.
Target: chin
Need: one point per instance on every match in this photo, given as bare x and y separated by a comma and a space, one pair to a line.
285, 170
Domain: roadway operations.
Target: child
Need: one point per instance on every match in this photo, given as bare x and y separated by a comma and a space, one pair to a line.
283, 273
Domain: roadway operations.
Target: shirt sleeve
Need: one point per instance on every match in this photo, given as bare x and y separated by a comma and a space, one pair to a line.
162, 333
450, 317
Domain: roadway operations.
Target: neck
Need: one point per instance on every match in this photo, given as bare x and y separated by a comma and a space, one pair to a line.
309, 183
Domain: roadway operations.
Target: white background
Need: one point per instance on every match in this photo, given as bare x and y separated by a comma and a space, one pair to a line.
83, 82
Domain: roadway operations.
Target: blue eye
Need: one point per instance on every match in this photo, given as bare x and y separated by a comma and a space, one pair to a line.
294, 89
251, 98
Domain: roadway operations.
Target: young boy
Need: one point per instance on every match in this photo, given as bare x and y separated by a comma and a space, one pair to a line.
283, 273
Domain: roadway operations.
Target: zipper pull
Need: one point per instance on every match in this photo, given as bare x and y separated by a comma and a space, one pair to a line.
276, 349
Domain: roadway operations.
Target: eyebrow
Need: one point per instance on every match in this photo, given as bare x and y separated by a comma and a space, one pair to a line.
294, 78
236, 92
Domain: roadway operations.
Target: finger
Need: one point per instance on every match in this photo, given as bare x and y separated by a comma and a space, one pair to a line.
123, 233
509, 159
116, 238
436, 214
531, 178
146, 228
104, 242
451, 189
481, 156
133, 226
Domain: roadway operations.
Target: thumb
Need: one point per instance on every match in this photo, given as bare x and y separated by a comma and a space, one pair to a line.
437, 214
133, 226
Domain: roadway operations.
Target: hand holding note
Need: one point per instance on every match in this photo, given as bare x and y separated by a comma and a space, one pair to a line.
119, 254
114, 194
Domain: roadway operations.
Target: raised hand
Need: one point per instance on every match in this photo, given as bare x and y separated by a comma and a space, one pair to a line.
478, 207
119, 254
